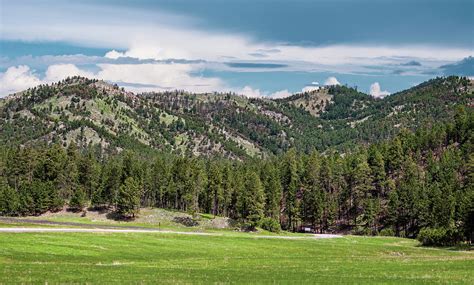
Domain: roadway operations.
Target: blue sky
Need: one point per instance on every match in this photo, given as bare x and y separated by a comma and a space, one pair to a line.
256, 48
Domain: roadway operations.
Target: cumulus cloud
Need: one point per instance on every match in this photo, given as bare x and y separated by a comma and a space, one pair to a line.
249, 92
17, 78
280, 94
310, 88
166, 76
377, 92
59, 72
113, 54
331, 81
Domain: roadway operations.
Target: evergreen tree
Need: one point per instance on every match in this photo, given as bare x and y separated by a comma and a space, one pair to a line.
254, 200
78, 200
395, 157
9, 200
227, 188
290, 182
197, 184
272, 189
215, 188
313, 199
128, 202
361, 187
377, 169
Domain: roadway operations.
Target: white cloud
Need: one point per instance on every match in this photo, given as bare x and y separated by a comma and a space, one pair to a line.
162, 76
280, 94
309, 88
249, 92
17, 78
113, 54
59, 72
376, 91
331, 81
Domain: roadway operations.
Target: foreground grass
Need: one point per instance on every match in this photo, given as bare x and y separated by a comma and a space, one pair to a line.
168, 258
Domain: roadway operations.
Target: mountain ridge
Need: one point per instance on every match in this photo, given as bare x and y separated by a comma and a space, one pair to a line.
93, 112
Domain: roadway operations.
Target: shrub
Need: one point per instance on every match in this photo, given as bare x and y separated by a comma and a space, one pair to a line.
439, 236
362, 231
78, 200
247, 227
271, 225
388, 232
186, 221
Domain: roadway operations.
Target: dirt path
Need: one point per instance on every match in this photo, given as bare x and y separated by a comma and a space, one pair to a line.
99, 230
96, 230
73, 224
303, 237
91, 228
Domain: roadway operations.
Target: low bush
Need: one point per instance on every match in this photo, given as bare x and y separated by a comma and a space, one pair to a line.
362, 231
388, 232
186, 221
270, 225
78, 200
439, 236
247, 227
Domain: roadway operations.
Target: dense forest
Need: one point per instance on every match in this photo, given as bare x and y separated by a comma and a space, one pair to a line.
415, 184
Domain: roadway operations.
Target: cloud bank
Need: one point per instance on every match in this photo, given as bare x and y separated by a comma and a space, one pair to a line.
153, 51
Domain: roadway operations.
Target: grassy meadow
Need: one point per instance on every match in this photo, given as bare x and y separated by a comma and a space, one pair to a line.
226, 258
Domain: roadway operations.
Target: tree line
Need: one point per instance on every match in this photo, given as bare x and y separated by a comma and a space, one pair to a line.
422, 181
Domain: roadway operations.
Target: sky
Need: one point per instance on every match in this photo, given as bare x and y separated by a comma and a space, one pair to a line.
255, 48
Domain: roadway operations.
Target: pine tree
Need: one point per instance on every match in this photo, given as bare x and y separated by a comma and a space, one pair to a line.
128, 202
395, 157
70, 177
197, 185
313, 199
215, 188
40, 196
408, 195
181, 188
377, 169
9, 200
290, 183
393, 208
467, 201
89, 173
161, 178
78, 200
254, 199
111, 174
273, 190
227, 188
362, 186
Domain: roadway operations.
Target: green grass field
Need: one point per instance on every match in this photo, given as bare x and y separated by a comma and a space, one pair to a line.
231, 258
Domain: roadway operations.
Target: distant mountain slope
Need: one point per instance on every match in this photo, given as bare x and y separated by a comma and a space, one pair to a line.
92, 112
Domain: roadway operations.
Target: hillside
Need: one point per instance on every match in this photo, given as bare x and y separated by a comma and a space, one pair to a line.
91, 112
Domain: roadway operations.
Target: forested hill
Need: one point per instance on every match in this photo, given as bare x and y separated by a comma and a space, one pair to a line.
91, 112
